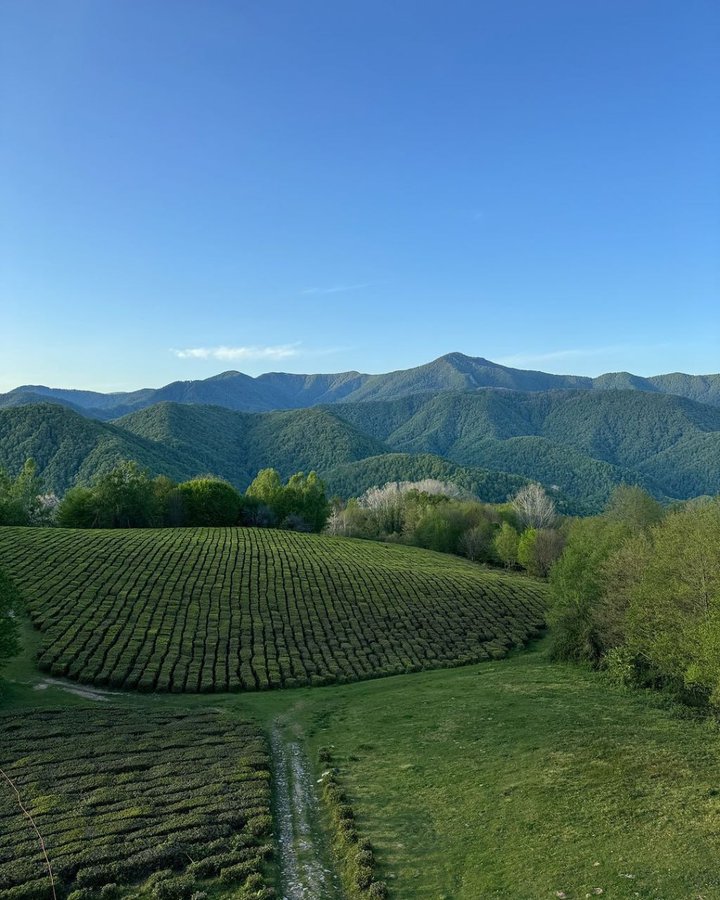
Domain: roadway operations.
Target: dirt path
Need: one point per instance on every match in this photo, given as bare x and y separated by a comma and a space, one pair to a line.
306, 864
80, 690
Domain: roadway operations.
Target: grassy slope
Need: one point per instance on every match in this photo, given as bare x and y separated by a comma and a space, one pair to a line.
505, 779
522, 778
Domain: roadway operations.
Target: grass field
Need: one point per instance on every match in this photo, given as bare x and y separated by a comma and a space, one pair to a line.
204, 609
121, 796
513, 778
517, 778
523, 778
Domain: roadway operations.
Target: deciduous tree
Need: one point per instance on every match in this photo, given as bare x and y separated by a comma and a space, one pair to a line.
533, 507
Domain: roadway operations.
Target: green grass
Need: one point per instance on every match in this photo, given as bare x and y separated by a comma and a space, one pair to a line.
203, 609
521, 778
510, 778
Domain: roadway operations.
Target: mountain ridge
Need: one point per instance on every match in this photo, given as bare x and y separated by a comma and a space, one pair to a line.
281, 390
578, 443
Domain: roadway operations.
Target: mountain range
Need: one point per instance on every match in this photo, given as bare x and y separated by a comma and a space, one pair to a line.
579, 437
278, 390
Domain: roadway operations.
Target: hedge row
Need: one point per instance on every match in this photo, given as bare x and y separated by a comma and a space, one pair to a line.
355, 852
218, 609
121, 797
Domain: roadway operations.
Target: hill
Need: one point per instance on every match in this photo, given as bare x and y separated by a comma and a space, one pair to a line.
236, 445
70, 448
353, 478
178, 441
228, 609
279, 390
523, 779
580, 444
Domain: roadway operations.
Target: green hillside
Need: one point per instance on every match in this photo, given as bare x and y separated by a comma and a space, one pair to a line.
228, 609
524, 779
352, 479
178, 441
236, 445
70, 448
579, 443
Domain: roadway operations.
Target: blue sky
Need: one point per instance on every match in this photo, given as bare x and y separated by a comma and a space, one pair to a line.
188, 187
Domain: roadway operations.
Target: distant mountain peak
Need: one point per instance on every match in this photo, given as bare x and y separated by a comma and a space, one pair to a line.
453, 371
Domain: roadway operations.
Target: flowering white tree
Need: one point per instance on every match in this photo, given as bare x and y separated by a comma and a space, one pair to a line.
533, 507
388, 502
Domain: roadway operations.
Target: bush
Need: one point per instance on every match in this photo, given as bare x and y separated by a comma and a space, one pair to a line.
177, 887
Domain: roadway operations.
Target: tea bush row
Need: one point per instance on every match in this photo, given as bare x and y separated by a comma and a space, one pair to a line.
221, 609
118, 799
355, 853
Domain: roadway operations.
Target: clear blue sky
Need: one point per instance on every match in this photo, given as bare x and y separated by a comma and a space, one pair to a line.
356, 184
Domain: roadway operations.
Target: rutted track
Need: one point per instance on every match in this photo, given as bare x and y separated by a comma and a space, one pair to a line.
229, 609
305, 861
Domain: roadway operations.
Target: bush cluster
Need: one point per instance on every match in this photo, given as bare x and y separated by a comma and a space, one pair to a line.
637, 592
127, 497
522, 533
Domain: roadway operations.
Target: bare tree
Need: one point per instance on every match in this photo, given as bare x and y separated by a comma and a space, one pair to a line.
533, 507
336, 523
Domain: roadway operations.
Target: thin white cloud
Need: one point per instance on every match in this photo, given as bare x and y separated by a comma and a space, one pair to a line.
526, 359
611, 358
280, 351
335, 289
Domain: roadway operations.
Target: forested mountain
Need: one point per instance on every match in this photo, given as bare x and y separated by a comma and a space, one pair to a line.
178, 441
578, 443
278, 390
353, 478
69, 448
584, 442
236, 445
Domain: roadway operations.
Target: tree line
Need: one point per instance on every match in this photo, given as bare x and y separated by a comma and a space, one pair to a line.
526, 532
637, 593
128, 497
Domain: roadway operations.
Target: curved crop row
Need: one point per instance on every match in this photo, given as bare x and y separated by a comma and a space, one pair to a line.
121, 797
213, 609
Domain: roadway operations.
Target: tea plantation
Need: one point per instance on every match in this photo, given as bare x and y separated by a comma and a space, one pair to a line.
224, 609
165, 802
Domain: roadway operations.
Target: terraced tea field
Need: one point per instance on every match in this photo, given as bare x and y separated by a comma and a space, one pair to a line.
213, 609
167, 802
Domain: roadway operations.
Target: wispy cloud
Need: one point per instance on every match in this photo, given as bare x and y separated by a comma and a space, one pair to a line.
335, 289
610, 358
526, 359
279, 351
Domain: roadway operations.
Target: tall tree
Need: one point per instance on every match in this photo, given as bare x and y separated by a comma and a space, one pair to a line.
266, 487
506, 545
209, 501
633, 506
533, 507
20, 501
577, 586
